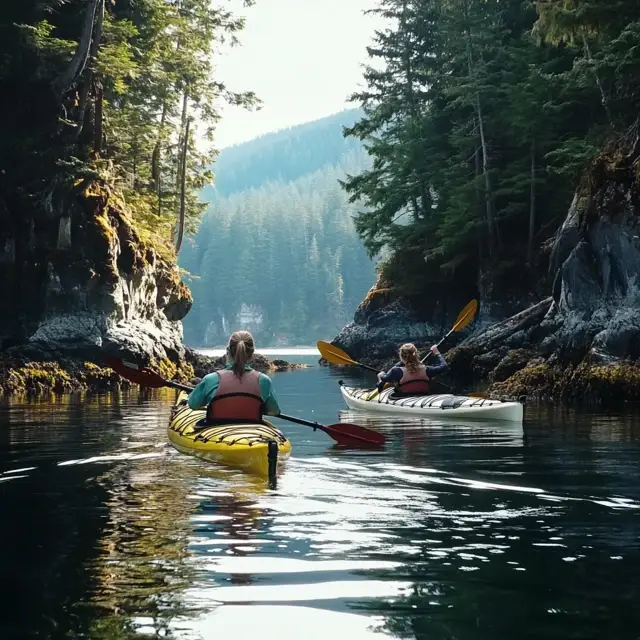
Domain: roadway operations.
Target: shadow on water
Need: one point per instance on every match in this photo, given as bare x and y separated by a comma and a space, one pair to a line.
453, 530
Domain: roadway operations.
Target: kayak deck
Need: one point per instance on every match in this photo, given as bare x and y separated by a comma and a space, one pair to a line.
437, 405
240, 446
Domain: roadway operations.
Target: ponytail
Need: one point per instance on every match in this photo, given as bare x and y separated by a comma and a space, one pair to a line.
409, 357
240, 348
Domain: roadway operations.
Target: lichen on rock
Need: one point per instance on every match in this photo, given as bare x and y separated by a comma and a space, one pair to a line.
19, 376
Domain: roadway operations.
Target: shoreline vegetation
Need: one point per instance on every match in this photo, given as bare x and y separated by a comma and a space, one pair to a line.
26, 373
505, 140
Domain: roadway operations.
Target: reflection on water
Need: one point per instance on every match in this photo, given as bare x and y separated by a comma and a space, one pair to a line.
452, 531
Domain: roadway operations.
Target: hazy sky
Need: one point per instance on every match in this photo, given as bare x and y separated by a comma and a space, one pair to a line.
302, 57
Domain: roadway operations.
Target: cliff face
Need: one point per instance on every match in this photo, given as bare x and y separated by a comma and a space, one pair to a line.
387, 318
582, 340
76, 278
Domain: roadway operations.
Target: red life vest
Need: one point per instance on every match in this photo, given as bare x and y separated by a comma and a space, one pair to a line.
236, 399
414, 383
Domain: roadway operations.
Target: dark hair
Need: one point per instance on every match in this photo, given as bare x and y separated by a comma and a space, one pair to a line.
240, 348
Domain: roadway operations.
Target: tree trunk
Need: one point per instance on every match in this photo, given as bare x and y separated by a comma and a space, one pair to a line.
98, 123
183, 125
81, 55
156, 159
603, 95
532, 203
93, 53
183, 190
134, 162
411, 104
479, 199
488, 196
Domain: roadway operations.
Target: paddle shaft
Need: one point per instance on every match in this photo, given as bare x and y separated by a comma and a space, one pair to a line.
316, 425
308, 423
329, 430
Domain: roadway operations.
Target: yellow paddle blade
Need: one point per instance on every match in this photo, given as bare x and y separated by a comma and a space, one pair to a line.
466, 316
333, 354
375, 392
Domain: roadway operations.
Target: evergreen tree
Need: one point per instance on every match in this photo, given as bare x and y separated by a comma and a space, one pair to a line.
288, 250
480, 118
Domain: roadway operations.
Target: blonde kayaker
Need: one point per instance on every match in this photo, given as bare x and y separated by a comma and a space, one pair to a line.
410, 376
237, 393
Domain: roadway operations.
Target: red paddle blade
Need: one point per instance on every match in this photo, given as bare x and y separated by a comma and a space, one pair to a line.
137, 374
354, 435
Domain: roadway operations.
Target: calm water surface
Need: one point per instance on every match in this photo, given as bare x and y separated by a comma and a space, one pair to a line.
453, 531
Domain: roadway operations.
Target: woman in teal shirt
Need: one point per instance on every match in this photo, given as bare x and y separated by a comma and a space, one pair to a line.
237, 391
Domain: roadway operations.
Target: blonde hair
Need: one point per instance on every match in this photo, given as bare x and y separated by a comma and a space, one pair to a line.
240, 348
409, 357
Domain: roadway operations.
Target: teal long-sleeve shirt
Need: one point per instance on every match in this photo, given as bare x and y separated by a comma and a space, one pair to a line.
203, 394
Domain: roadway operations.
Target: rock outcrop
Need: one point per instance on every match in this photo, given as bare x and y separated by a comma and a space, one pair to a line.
80, 281
580, 342
78, 284
385, 319
584, 341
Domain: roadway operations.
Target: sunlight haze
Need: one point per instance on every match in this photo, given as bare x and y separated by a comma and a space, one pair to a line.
303, 58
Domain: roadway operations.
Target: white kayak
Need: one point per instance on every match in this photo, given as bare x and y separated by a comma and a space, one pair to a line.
432, 406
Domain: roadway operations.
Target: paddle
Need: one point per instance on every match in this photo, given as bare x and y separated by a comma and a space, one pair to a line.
334, 355
462, 321
342, 433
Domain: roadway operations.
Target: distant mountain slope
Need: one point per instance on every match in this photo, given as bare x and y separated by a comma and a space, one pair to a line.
279, 254
283, 155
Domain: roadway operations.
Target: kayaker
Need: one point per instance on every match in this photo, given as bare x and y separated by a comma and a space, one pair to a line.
237, 393
410, 376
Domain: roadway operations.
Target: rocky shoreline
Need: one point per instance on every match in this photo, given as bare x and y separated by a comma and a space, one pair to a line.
28, 371
99, 289
581, 343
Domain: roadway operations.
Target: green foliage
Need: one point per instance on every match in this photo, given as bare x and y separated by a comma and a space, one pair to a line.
480, 127
123, 82
283, 155
288, 250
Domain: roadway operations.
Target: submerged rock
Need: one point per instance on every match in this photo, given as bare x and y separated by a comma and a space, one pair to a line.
33, 372
202, 364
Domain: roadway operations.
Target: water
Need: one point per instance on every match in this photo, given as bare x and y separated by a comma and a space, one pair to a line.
454, 530
302, 355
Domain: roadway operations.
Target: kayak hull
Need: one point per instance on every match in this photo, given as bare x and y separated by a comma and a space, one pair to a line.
432, 406
238, 446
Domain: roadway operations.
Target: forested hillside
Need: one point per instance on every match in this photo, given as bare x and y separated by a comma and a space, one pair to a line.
482, 117
283, 155
281, 258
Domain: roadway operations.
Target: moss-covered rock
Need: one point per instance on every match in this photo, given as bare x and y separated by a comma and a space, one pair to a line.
513, 362
538, 380
52, 377
587, 382
607, 384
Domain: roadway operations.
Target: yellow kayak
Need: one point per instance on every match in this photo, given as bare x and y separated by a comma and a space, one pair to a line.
257, 448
